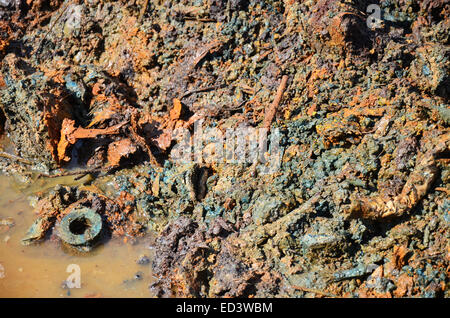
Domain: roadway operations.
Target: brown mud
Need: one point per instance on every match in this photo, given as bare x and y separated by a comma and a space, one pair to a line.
40, 270
93, 91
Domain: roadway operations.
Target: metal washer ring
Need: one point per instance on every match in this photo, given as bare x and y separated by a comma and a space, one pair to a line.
92, 231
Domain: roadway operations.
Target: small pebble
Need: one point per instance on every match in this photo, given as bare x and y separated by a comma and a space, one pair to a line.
138, 275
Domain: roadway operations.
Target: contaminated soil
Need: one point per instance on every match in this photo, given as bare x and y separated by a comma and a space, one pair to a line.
91, 93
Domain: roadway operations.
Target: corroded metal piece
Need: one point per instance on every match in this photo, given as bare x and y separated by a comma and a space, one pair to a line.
80, 227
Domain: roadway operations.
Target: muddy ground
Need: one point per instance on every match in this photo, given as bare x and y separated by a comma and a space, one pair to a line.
92, 91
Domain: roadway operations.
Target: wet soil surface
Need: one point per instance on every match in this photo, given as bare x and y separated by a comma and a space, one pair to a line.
92, 94
115, 269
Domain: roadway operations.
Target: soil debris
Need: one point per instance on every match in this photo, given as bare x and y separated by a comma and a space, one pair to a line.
99, 100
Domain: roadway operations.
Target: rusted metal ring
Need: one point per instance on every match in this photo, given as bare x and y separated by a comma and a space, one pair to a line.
80, 227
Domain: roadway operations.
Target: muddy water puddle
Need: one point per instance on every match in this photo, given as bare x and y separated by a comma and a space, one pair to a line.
110, 270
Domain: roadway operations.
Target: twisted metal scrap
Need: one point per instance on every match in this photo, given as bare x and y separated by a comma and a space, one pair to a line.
415, 189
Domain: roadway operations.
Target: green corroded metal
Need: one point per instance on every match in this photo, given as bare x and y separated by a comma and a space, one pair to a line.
93, 227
